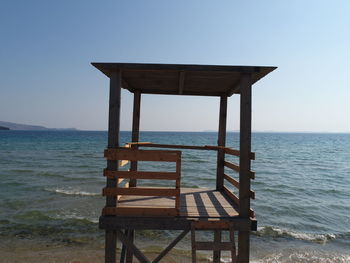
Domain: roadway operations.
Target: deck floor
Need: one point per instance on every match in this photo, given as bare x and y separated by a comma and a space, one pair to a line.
194, 202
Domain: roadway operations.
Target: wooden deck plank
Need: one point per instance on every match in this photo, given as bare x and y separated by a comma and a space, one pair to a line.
194, 202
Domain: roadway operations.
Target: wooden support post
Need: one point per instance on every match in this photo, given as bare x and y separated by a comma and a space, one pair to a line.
217, 253
135, 130
221, 142
244, 163
133, 164
113, 141
123, 252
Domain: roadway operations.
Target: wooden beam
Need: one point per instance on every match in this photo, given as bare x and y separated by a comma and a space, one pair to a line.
231, 195
171, 245
123, 252
142, 175
130, 246
141, 191
113, 141
169, 223
244, 163
217, 253
234, 89
142, 155
232, 166
231, 180
221, 143
140, 211
245, 145
135, 134
181, 82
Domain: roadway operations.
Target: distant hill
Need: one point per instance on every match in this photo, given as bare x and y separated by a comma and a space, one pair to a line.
4, 128
25, 127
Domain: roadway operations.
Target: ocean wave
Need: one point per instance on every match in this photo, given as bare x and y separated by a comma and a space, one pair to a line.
74, 216
290, 256
275, 232
73, 192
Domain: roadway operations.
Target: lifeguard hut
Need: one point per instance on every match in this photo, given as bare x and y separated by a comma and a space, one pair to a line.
130, 207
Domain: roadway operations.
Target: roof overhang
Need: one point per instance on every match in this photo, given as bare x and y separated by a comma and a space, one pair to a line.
183, 79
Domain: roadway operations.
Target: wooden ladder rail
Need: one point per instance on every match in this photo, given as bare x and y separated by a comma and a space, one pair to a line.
217, 245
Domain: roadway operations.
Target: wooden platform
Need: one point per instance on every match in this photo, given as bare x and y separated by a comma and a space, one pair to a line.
194, 202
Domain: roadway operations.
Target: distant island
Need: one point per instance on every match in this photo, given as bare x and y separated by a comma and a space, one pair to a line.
4, 125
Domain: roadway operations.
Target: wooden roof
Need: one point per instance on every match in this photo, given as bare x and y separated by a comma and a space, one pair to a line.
183, 79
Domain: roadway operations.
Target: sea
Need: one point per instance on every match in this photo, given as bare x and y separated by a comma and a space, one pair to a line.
51, 195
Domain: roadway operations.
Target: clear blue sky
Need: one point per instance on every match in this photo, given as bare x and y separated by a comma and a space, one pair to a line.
46, 48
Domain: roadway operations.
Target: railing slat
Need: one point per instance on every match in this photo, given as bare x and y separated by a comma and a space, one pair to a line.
142, 175
142, 191
231, 195
233, 166
140, 211
141, 155
231, 180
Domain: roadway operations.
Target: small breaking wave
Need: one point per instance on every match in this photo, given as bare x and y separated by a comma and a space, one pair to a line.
298, 256
73, 192
269, 231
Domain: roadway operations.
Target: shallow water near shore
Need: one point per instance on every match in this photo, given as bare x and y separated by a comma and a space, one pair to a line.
51, 183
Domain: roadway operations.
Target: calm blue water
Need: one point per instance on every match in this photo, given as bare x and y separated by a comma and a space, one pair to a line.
51, 181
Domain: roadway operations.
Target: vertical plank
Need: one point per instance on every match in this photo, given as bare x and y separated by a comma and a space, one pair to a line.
135, 135
217, 253
110, 246
129, 254
135, 130
244, 163
123, 252
233, 249
193, 243
113, 141
221, 142
243, 247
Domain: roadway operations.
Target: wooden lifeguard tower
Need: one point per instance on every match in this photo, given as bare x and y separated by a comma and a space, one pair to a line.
129, 207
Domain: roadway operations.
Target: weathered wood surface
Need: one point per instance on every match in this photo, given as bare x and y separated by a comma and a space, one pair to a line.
194, 202
245, 163
233, 181
202, 80
140, 211
171, 223
142, 175
171, 245
236, 168
133, 154
142, 155
113, 141
227, 150
233, 166
231, 195
221, 143
135, 134
141, 191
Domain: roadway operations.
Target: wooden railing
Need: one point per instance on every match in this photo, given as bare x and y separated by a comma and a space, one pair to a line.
235, 183
130, 154
227, 178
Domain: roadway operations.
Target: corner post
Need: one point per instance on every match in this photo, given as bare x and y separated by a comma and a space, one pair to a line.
244, 163
113, 141
135, 135
221, 142
133, 165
